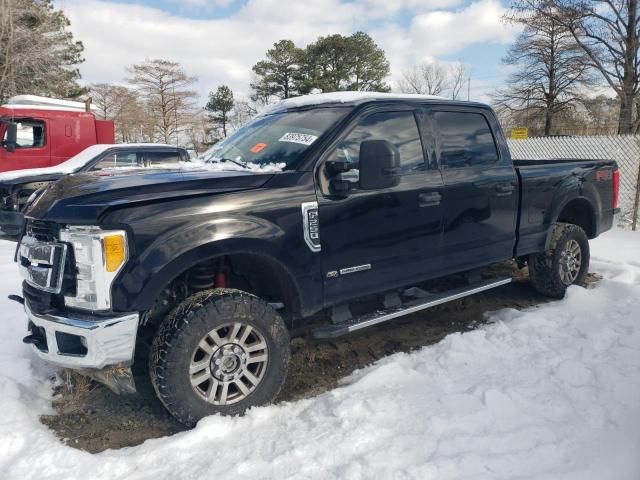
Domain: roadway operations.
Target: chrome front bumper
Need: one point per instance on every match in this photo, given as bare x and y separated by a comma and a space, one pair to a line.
83, 341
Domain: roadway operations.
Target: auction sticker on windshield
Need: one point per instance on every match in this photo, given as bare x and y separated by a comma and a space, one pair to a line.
258, 147
303, 138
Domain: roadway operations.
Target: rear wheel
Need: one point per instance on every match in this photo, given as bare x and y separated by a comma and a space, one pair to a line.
565, 263
220, 351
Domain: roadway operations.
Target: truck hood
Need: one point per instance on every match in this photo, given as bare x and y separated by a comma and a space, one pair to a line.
84, 197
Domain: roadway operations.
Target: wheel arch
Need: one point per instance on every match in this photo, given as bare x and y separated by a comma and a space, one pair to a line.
578, 211
257, 254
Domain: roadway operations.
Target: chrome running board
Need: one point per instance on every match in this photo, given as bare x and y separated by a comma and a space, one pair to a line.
379, 316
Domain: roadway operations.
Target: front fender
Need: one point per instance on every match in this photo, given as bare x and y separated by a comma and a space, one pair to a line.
168, 238
169, 256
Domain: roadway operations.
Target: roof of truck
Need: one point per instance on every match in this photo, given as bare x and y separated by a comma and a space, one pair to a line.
45, 103
353, 98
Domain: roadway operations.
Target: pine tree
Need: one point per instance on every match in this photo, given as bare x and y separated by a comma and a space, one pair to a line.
38, 54
219, 107
369, 66
277, 75
336, 62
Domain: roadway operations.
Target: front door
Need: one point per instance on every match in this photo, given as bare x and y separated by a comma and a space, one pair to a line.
480, 198
32, 149
375, 240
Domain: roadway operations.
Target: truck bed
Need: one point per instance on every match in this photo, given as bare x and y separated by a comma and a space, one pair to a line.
545, 189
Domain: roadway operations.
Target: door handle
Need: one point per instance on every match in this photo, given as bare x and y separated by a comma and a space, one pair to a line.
429, 199
482, 183
504, 189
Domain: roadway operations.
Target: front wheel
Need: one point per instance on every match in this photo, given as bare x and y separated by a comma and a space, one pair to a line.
220, 351
565, 263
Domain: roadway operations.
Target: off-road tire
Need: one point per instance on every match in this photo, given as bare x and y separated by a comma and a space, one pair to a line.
182, 330
544, 267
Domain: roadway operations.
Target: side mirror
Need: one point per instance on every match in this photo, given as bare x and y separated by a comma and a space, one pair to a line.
379, 164
335, 167
337, 170
12, 137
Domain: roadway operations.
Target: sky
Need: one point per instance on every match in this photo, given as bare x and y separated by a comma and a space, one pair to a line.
218, 41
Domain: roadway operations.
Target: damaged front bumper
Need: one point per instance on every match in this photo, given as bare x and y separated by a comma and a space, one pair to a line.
83, 341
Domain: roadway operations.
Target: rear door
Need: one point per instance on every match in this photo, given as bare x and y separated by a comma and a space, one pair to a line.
374, 240
480, 189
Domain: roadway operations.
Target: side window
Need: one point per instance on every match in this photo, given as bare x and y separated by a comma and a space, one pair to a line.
117, 160
161, 159
465, 140
30, 134
399, 128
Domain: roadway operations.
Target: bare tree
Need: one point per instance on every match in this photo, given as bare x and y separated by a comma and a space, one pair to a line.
200, 133
243, 112
458, 77
133, 120
105, 99
608, 31
429, 78
551, 68
165, 89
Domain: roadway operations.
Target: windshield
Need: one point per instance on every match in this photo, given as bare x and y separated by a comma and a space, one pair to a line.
274, 142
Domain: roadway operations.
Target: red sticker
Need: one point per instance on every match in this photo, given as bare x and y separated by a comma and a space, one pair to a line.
258, 147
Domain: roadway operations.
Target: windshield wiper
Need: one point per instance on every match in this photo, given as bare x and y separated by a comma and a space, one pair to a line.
236, 162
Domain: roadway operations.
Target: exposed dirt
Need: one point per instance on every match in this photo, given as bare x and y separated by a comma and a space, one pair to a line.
92, 418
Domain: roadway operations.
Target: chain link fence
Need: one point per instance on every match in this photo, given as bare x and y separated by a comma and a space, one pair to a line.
624, 149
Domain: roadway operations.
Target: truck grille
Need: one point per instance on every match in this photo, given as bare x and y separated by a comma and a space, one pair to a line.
42, 263
43, 231
39, 301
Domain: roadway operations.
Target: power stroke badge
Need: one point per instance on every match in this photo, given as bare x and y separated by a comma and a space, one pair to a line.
311, 225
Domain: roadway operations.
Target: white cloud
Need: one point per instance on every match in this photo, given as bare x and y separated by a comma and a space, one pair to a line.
203, 3
443, 32
220, 51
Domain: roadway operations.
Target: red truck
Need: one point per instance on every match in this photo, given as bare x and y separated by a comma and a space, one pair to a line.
42, 132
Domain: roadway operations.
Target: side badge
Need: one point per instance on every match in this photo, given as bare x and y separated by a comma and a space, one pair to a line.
311, 225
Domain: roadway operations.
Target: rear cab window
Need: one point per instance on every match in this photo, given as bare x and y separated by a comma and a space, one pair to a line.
117, 160
160, 159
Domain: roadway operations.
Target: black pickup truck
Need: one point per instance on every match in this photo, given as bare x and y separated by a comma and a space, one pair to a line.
16, 187
317, 202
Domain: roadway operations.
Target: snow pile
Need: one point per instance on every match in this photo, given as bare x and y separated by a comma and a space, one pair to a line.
547, 393
210, 160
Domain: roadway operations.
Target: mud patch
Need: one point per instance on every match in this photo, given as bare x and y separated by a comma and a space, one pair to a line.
94, 419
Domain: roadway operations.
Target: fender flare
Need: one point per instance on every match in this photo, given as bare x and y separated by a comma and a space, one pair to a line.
167, 257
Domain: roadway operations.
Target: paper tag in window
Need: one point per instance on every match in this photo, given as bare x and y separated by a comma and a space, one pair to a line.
258, 147
302, 138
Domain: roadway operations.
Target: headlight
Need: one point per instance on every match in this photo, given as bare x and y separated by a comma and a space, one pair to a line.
99, 256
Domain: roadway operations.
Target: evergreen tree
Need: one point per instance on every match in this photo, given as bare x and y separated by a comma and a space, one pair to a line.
38, 54
336, 62
219, 107
369, 66
330, 64
327, 64
277, 75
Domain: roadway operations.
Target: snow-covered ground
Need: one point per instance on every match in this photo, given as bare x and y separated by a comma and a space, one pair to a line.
548, 393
